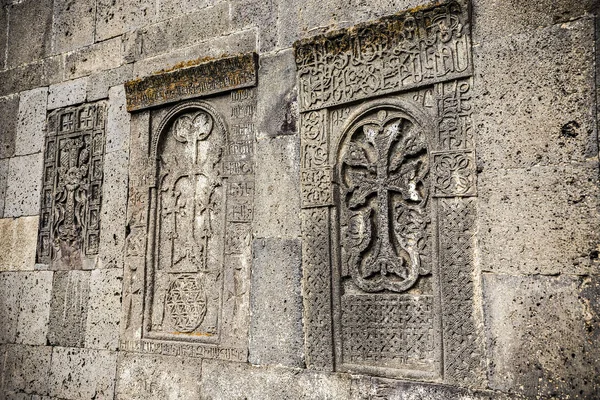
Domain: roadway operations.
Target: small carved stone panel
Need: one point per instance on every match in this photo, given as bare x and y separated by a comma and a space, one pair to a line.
69, 230
191, 205
387, 186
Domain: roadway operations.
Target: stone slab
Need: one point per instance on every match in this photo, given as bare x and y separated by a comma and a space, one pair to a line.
104, 309
173, 8
34, 308
9, 108
236, 43
100, 83
200, 80
3, 179
68, 308
10, 287
27, 369
117, 121
91, 59
31, 121
258, 14
3, 36
114, 209
114, 17
541, 335
67, 93
18, 242
23, 185
151, 377
73, 24
540, 220
534, 98
80, 374
30, 24
29, 76
277, 174
276, 335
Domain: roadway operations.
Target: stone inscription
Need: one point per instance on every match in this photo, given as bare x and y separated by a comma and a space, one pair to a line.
399, 52
184, 350
207, 78
69, 232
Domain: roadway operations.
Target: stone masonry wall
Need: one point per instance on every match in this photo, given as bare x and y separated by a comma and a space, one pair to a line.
72, 322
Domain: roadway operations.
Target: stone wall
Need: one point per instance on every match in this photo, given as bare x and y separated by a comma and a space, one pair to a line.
196, 202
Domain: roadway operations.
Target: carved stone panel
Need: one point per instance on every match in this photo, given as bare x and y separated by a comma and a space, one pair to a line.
190, 208
69, 231
387, 191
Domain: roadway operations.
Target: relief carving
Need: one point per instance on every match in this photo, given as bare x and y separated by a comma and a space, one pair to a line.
69, 232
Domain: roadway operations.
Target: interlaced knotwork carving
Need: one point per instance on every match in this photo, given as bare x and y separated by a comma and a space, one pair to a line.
384, 179
186, 302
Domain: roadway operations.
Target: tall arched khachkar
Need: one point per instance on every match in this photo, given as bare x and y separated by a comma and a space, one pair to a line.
187, 253
388, 195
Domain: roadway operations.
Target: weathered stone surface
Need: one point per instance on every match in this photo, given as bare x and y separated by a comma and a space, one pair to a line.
277, 171
117, 121
172, 8
258, 14
100, 83
236, 43
542, 333
182, 31
532, 105
148, 377
34, 308
23, 186
276, 335
10, 287
490, 17
30, 24
68, 308
526, 212
31, 121
80, 374
114, 17
91, 59
277, 105
27, 369
9, 107
3, 35
73, 24
3, 178
104, 309
67, 93
31, 76
18, 241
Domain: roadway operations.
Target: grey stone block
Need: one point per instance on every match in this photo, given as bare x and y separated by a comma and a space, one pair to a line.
10, 287
9, 108
236, 43
117, 121
100, 83
258, 14
18, 241
151, 377
183, 31
24, 183
172, 8
541, 335
115, 17
277, 173
67, 93
80, 374
31, 122
3, 36
73, 24
3, 178
490, 17
235, 381
540, 220
91, 59
104, 309
27, 369
276, 335
30, 76
30, 27
277, 104
114, 209
534, 103
34, 308
68, 308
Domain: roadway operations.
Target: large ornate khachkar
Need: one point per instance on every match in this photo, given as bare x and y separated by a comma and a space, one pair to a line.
190, 208
69, 232
388, 185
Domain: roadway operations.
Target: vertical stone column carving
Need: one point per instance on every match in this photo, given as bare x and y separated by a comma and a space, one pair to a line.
387, 192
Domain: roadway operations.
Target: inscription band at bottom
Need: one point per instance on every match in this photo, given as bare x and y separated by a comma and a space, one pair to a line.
185, 349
